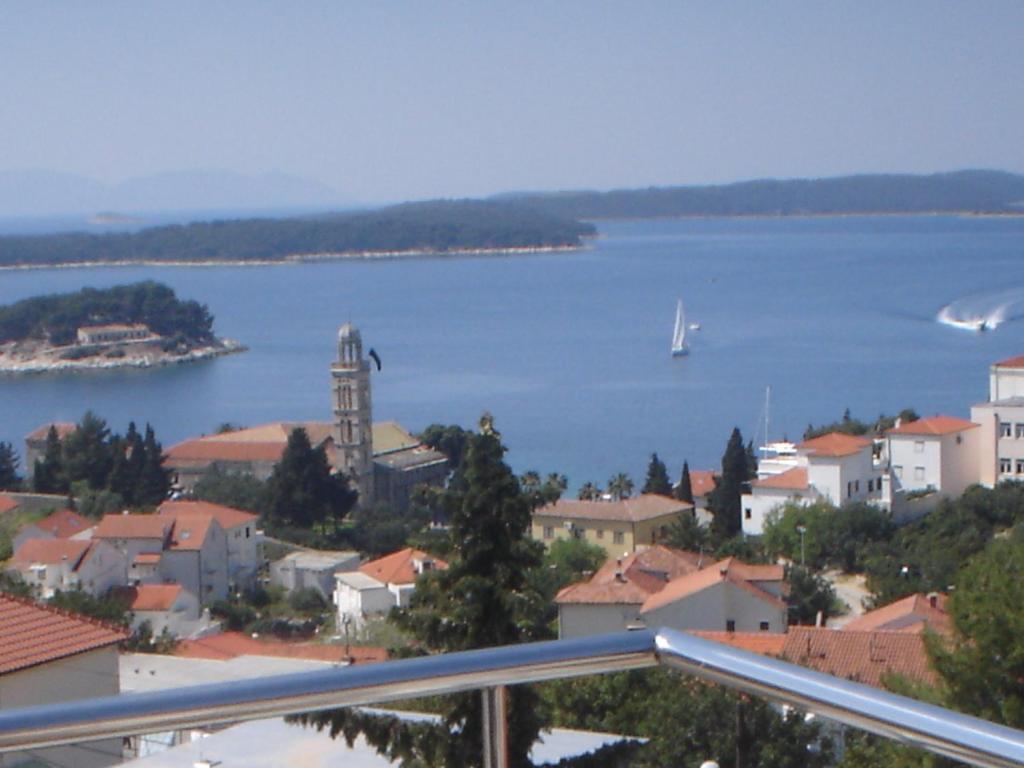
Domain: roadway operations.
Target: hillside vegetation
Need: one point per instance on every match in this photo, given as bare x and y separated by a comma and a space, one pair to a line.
438, 226
958, 192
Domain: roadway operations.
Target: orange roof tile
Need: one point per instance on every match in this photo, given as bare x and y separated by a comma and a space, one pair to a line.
64, 428
229, 645
765, 643
647, 506
1012, 362
203, 450
149, 597
731, 570
147, 558
398, 567
933, 425
7, 504
191, 531
64, 524
794, 479
50, 552
834, 444
864, 657
702, 481
228, 517
913, 613
132, 527
631, 579
32, 634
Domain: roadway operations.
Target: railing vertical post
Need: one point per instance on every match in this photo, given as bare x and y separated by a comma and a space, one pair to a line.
495, 724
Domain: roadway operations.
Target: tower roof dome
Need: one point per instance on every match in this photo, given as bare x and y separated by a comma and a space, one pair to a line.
348, 332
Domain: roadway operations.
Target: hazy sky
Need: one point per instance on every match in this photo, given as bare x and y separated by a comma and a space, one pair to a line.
388, 100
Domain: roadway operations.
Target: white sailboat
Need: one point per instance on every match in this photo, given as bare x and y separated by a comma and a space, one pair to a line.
679, 346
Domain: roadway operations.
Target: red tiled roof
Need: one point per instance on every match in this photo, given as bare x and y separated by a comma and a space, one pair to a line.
32, 634
50, 552
702, 482
794, 479
147, 558
64, 428
765, 643
860, 656
1012, 362
933, 425
7, 504
647, 506
190, 531
149, 597
632, 579
913, 614
228, 645
263, 443
731, 570
834, 444
63, 524
398, 567
228, 517
132, 527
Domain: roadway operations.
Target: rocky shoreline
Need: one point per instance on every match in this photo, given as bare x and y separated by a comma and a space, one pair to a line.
48, 360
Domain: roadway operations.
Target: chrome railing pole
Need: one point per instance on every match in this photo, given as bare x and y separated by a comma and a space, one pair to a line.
495, 725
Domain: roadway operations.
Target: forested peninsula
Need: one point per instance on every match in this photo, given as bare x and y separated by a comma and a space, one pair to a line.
139, 325
977, 192
436, 227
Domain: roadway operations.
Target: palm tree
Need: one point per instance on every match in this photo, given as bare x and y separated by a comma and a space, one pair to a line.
530, 481
589, 492
620, 486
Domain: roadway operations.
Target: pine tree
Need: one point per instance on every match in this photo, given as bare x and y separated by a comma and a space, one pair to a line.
684, 491
154, 480
302, 492
86, 452
724, 500
48, 475
9, 478
657, 478
486, 598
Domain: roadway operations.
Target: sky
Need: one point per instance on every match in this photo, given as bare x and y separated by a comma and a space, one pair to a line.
383, 101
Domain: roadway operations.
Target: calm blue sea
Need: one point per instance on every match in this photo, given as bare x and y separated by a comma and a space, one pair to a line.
571, 351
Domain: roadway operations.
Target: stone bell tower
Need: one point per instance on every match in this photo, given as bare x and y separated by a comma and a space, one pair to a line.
353, 424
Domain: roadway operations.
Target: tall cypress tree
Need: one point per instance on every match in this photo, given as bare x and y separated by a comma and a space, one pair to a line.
724, 500
154, 481
684, 491
9, 478
48, 475
657, 478
485, 598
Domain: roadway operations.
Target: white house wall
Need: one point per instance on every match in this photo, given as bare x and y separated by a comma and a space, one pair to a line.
915, 462
576, 620
712, 608
357, 604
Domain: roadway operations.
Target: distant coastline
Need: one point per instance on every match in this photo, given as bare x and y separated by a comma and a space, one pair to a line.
47, 359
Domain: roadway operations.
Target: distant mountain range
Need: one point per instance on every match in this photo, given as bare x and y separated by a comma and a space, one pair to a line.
969, 191
50, 193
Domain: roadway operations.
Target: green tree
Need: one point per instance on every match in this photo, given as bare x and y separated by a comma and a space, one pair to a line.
620, 486
239, 491
86, 452
724, 500
451, 440
48, 475
154, 481
589, 492
10, 480
684, 491
568, 561
686, 533
657, 478
485, 598
302, 492
809, 595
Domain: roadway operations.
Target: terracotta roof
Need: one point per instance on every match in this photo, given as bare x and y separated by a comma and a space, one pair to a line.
64, 428
132, 527
794, 479
398, 567
190, 531
1012, 362
731, 570
860, 656
204, 450
702, 481
7, 504
834, 444
913, 614
229, 645
228, 517
147, 558
647, 506
32, 634
64, 524
765, 643
50, 552
933, 425
149, 597
631, 579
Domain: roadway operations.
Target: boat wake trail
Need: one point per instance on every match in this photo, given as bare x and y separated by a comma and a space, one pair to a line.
983, 312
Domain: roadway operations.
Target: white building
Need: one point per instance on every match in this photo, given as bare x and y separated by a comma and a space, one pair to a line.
51, 565
244, 540
311, 569
836, 468
163, 606
939, 453
358, 596
1001, 438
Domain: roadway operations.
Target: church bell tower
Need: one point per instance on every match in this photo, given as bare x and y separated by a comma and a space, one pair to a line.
353, 425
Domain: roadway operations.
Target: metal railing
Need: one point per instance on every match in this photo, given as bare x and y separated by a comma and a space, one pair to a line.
911, 722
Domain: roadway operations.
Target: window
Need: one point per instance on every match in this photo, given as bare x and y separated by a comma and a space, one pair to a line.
856, 486
1005, 429
871, 486
730, 625
849, 489
764, 626
247, 531
897, 470
1020, 466
919, 473
1018, 430
919, 446
1005, 466
549, 531
619, 537
600, 533
747, 513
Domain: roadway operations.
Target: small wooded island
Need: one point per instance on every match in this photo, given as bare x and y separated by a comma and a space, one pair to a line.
127, 326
